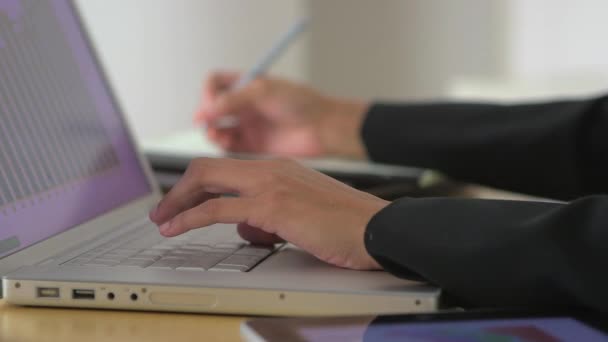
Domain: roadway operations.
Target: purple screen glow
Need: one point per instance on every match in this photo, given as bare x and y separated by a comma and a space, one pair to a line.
65, 153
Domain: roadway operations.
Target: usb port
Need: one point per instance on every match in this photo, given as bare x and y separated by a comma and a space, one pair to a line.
83, 294
47, 292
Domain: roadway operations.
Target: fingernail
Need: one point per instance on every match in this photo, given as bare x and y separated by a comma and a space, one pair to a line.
165, 227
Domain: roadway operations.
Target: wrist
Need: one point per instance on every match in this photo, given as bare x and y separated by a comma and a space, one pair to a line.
370, 260
340, 128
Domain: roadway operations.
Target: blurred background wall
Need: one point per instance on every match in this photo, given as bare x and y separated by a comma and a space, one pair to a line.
158, 51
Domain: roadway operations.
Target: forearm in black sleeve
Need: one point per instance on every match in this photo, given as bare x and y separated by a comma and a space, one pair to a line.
557, 150
499, 253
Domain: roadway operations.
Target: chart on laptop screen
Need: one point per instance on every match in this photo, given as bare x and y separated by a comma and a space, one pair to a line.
65, 154
42, 152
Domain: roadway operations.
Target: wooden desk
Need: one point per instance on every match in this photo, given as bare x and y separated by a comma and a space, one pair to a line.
23, 324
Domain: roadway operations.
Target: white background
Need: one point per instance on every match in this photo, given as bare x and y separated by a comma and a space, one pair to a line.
158, 51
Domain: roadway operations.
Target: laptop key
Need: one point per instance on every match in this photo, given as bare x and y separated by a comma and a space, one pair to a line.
88, 255
229, 268
210, 249
113, 257
231, 246
242, 260
188, 268
196, 245
101, 262
181, 238
205, 261
153, 252
145, 242
145, 257
203, 264
180, 258
136, 263
188, 250
162, 248
255, 251
171, 243
180, 254
76, 262
125, 251
167, 264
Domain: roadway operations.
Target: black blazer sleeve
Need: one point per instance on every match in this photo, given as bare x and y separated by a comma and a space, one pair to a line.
499, 253
555, 150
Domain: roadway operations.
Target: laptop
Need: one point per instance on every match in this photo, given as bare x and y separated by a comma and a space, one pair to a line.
75, 195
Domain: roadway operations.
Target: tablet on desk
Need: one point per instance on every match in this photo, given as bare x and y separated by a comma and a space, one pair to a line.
173, 154
439, 327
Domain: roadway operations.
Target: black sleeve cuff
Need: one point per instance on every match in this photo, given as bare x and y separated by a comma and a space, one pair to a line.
379, 240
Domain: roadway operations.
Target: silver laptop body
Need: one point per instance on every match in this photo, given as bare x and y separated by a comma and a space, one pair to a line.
75, 194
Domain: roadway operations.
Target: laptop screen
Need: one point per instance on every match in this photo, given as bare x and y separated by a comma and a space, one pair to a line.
65, 154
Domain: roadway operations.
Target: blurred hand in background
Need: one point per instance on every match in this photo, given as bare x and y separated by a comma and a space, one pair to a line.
281, 118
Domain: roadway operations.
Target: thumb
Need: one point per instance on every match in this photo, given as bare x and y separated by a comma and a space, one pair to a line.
257, 236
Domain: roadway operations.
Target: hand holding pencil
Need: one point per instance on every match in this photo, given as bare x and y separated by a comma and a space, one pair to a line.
261, 66
253, 113
279, 117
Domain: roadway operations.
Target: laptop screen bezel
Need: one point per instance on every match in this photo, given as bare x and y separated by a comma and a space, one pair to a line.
127, 212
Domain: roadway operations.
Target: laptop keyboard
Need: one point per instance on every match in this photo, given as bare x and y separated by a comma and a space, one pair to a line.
215, 248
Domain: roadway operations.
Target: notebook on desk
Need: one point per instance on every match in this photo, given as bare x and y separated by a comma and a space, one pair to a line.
174, 152
75, 195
